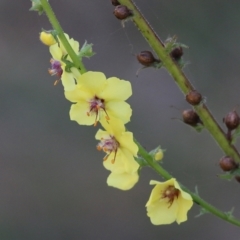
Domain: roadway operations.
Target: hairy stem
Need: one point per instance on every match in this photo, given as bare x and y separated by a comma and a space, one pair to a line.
182, 81
53, 20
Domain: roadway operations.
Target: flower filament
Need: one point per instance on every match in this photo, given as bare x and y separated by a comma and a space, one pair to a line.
170, 193
55, 69
96, 104
108, 145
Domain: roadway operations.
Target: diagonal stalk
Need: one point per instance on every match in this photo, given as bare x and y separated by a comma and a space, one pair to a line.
53, 20
181, 80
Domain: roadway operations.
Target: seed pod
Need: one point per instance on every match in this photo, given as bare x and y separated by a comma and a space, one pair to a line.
146, 58
227, 164
237, 178
190, 117
177, 53
194, 97
232, 120
115, 2
122, 12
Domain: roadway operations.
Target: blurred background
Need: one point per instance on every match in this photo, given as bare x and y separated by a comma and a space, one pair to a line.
52, 182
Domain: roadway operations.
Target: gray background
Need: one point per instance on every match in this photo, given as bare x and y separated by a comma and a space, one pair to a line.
52, 183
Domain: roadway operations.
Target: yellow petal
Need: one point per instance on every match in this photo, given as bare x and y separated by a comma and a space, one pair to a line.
118, 165
122, 181
124, 162
68, 81
56, 52
130, 164
78, 113
156, 193
126, 141
183, 210
101, 134
116, 89
77, 95
93, 82
114, 126
119, 109
161, 213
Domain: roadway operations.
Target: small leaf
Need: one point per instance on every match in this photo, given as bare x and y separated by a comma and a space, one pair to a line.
196, 190
203, 211
230, 213
86, 50
37, 6
226, 176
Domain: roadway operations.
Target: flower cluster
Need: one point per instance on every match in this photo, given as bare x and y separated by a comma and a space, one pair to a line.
97, 100
61, 63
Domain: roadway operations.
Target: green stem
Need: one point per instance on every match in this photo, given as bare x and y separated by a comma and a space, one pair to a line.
225, 216
177, 74
184, 84
56, 25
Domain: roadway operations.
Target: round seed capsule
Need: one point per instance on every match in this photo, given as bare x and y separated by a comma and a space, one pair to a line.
232, 120
194, 97
146, 58
122, 12
177, 53
115, 2
190, 117
227, 164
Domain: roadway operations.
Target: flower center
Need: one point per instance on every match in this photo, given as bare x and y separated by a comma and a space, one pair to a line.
55, 69
170, 193
96, 105
108, 145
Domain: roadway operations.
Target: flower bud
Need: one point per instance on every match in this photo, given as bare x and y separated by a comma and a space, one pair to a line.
232, 120
237, 178
194, 97
47, 38
227, 164
146, 58
122, 12
176, 53
115, 2
190, 117
158, 155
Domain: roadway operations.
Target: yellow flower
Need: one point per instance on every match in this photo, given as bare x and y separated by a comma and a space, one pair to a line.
168, 203
120, 150
98, 98
58, 52
47, 38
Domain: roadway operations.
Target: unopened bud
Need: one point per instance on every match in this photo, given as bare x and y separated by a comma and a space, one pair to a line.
190, 117
177, 53
232, 120
237, 178
47, 38
227, 164
146, 58
122, 12
194, 97
115, 2
158, 155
